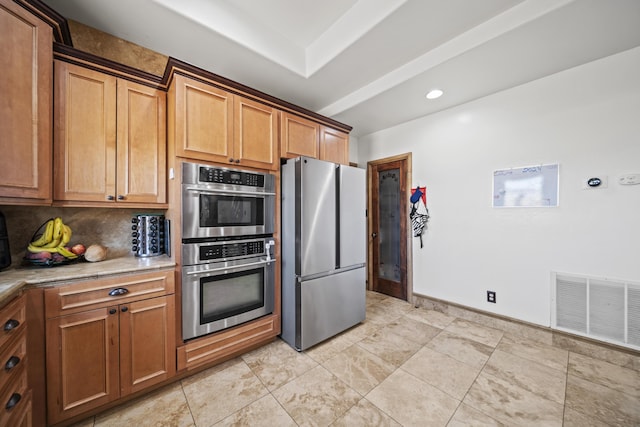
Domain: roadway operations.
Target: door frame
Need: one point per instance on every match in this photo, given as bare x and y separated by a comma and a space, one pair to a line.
406, 158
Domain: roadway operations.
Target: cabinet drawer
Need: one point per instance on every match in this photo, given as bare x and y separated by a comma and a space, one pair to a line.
13, 397
22, 415
12, 320
232, 342
77, 297
12, 358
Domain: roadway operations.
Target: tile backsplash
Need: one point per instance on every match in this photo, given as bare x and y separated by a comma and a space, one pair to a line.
110, 227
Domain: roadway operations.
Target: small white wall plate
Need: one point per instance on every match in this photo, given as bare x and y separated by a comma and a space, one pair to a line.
629, 179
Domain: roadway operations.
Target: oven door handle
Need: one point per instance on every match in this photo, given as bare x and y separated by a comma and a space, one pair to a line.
265, 261
246, 193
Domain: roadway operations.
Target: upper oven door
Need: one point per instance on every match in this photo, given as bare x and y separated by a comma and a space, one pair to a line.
209, 212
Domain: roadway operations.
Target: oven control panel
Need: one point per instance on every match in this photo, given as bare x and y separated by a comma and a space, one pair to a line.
231, 250
227, 176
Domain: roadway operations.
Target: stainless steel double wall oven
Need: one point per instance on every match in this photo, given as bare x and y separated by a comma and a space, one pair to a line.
228, 268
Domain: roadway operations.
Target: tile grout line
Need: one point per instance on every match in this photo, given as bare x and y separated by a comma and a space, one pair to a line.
193, 418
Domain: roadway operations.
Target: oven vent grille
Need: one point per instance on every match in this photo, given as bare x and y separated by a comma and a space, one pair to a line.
599, 308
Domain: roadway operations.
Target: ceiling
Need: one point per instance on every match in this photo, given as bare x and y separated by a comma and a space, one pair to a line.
369, 63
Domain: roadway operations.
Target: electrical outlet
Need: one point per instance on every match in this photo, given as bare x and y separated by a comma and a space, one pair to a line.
491, 296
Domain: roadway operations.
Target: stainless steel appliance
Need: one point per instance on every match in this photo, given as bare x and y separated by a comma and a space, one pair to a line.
149, 235
222, 202
225, 283
323, 250
228, 269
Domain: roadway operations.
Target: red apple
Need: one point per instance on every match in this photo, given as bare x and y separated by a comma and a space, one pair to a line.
39, 255
78, 249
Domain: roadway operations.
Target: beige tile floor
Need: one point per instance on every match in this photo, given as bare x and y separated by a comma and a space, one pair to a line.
404, 366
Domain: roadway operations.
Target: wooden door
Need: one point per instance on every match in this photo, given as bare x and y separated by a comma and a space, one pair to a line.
147, 343
141, 144
388, 225
255, 134
299, 137
84, 134
203, 121
25, 106
82, 362
334, 145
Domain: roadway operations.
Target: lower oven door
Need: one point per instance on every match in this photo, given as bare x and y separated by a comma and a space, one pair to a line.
220, 295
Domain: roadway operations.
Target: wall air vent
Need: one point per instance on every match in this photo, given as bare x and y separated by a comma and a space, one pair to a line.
599, 308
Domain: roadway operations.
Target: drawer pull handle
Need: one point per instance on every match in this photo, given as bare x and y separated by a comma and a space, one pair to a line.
13, 401
118, 291
11, 324
11, 363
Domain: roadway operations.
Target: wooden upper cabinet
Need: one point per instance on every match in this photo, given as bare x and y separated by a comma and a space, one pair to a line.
84, 134
25, 107
141, 144
213, 125
334, 145
255, 134
109, 139
203, 120
299, 137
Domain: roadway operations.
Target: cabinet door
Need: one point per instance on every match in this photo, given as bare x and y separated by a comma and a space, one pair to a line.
25, 106
203, 121
147, 343
82, 362
255, 134
334, 145
84, 134
141, 144
299, 137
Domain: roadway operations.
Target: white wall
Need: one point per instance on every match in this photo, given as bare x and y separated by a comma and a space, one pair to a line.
587, 119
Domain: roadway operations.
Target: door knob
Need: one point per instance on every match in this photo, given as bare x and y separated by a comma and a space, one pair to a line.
374, 235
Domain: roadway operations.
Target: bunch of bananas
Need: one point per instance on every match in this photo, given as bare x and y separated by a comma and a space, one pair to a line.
55, 238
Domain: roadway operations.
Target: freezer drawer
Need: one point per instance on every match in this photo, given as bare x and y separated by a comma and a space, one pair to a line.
330, 305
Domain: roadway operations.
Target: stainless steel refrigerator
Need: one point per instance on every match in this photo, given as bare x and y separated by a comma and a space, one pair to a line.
323, 250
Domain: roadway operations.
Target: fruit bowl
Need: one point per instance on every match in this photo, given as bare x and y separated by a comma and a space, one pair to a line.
50, 262
47, 247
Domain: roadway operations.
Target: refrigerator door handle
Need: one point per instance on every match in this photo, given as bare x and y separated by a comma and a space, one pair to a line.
301, 279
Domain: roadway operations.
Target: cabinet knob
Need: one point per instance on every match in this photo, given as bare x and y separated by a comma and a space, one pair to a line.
237, 160
13, 401
11, 324
11, 363
230, 160
124, 309
110, 197
112, 311
120, 197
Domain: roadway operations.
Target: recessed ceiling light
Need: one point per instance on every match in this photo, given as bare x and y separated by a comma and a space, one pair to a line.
434, 93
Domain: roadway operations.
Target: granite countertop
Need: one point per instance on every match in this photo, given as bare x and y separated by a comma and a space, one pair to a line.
14, 279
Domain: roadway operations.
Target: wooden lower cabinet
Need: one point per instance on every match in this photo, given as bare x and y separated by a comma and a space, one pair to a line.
147, 343
82, 362
15, 393
96, 356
